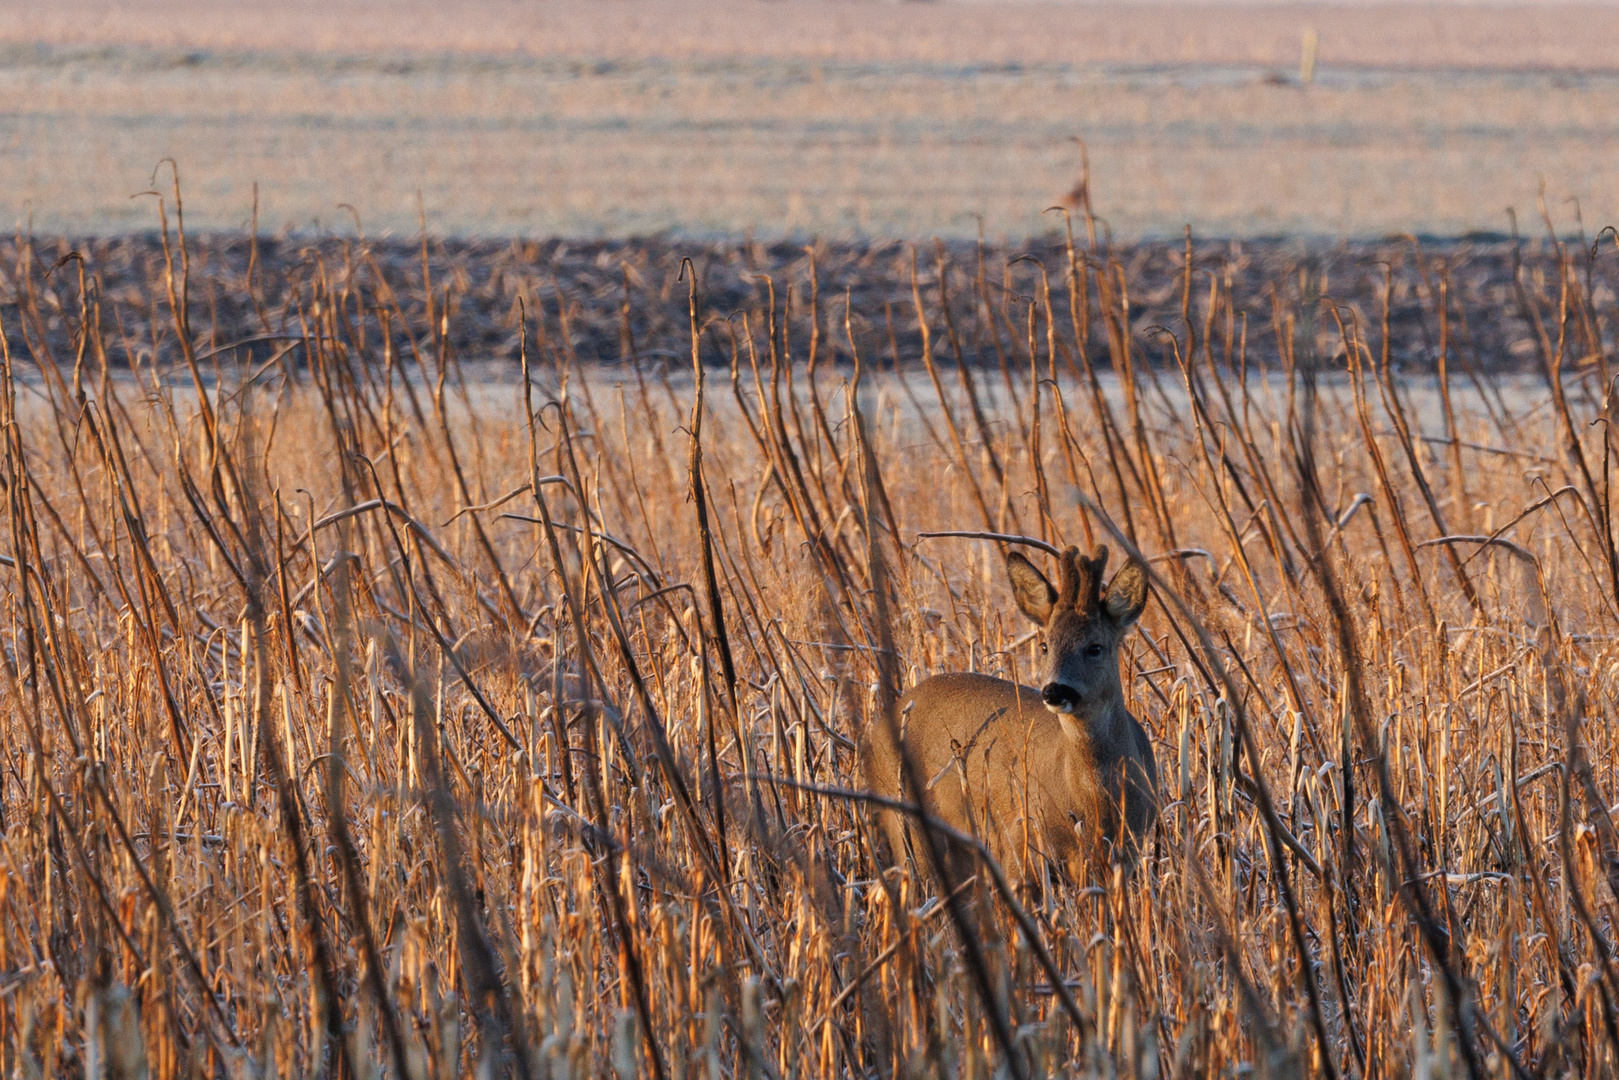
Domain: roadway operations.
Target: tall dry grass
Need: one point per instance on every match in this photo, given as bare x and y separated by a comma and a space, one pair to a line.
369, 713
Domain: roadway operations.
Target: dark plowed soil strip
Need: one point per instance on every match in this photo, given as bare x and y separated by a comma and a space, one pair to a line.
599, 301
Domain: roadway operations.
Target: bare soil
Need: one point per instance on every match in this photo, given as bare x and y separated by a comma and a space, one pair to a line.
482, 282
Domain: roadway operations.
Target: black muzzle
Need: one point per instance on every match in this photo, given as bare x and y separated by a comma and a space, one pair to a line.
1059, 697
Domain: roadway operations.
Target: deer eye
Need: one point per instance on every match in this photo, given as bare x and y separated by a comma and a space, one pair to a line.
1093, 650
1043, 647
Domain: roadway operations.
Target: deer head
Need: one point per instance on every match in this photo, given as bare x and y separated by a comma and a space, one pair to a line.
1083, 626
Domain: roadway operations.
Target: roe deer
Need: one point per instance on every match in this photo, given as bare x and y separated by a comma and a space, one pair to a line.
1041, 775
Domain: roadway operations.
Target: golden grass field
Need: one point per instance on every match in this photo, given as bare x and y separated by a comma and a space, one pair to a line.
805, 119
369, 710
434, 643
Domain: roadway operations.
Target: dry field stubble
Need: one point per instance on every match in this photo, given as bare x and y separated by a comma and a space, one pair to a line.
333, 741
619, 142
1538, 34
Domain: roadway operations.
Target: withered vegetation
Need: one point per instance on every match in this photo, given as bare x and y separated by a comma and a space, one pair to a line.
377, 703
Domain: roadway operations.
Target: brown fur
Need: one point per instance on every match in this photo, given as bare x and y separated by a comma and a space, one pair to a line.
1072, 789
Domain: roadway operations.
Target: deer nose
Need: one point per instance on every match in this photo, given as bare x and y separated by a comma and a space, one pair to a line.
1059, 698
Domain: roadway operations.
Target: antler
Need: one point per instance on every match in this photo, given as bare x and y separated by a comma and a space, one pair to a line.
1080, 579
1087, 577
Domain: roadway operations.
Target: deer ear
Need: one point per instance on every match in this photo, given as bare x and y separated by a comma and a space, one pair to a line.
1127, 593
1033, 592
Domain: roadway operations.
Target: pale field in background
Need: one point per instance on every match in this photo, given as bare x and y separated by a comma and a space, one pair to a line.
803, 119
1445, 34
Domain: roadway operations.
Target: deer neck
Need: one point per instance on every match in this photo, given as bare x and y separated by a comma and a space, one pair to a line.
1093, 732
